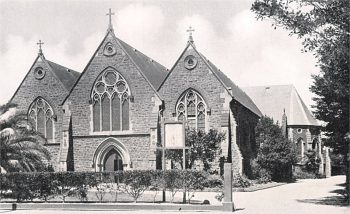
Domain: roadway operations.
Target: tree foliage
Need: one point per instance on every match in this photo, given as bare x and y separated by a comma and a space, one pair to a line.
276, 153
202, 146
324, 27
21, 147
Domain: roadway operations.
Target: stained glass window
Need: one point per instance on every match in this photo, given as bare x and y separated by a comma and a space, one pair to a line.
110, 101
191, 108
41, 115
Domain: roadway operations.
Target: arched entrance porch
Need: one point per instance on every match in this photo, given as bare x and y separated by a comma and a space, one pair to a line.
111, 155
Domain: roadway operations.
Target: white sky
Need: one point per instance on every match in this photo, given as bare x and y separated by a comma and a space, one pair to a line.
250, 52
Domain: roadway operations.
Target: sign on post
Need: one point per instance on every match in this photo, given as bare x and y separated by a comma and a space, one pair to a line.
174, 135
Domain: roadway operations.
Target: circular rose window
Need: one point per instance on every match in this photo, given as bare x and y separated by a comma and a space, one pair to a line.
39, 73
190, 62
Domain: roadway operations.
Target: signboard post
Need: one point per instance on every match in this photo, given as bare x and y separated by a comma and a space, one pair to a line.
173, 138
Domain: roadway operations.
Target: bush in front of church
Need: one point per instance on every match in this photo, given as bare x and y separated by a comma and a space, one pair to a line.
276, 154
203, 149
50, 186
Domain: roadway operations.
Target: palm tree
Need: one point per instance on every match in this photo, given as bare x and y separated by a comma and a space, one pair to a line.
21, 147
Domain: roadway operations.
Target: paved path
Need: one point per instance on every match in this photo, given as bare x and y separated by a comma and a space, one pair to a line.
303, 197
306, 196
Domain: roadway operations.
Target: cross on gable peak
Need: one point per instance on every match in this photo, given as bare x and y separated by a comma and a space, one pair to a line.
110, 14
190, 30
40, 43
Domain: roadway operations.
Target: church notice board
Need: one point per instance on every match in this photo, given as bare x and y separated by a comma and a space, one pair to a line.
174, 135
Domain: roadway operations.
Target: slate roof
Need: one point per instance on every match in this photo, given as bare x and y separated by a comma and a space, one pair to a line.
273, 99
154, 72
66, 75
237, 93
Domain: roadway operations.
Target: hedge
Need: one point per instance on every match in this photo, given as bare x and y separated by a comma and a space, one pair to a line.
46, 185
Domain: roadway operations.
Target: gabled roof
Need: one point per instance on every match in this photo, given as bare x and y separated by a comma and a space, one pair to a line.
67, 76
274, 99
151, 70
154, 72
237, 93
67, 80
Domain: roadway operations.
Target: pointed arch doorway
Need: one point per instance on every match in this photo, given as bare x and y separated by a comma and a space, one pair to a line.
111, 155
113, 161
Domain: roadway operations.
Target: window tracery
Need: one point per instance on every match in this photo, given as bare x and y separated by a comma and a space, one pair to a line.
110, 101
191, 108
42, 117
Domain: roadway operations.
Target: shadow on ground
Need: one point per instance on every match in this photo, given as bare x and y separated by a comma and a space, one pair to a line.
337, 200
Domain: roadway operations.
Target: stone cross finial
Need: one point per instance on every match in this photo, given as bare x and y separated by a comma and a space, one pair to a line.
40, 43
110, 27
190, 30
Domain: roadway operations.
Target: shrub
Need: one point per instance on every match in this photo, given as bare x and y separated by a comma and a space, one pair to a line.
172, 182
191, 181
43, 185
157, 183
47, 186
301, 174
22, 185
260, 174
214, 181
136, 182
240, 181
276, 153
312, 162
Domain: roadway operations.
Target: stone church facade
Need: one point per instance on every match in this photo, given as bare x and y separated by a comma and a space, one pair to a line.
110, 116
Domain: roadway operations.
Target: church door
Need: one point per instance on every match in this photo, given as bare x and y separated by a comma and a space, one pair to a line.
113, 161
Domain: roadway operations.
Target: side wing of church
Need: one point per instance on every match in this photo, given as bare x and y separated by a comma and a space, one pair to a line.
109, 117
283, 104
40, 95
196, 92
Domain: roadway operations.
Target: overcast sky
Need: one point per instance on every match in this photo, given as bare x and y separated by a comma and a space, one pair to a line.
250, 52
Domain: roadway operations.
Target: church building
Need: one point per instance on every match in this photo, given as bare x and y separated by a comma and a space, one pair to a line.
285, 106
110, 116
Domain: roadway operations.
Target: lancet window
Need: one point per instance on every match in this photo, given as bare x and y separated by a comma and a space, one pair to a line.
41, 116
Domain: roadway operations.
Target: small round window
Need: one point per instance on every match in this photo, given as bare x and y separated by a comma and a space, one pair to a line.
39, 73
299, 131
190, 62
109, 49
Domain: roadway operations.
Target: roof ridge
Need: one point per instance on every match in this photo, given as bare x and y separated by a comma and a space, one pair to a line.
151, 59
121, 42
62, 66
214, 69
87, 65
65, 75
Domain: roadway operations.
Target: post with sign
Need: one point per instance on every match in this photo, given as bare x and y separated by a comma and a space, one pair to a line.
173, 138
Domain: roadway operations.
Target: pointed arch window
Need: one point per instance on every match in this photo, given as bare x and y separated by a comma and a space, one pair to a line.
41, 115
191, 108
110, 102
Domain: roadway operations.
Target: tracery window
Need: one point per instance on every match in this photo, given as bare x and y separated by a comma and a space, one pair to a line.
110, 102
41, 115
191, 108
